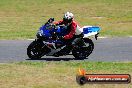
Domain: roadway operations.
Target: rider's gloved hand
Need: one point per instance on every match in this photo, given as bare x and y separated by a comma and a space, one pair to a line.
55, 26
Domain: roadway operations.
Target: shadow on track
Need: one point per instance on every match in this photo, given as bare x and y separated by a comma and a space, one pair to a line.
56, 59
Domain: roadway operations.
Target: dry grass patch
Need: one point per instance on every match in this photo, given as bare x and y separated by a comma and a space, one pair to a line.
57, 74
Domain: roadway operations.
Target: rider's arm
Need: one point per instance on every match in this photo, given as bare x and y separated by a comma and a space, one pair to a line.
58, 22
72, 32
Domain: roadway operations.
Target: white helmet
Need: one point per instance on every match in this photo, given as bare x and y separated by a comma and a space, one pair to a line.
68, 17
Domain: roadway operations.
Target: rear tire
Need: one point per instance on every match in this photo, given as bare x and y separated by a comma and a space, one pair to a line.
91, 45
85, 51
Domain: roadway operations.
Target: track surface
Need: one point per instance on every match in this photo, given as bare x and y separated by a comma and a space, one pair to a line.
108, 49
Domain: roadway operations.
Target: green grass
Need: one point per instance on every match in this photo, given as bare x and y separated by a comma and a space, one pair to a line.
58, 74
20, 19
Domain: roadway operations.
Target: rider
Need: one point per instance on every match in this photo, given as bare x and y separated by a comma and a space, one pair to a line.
68, 21
71, 27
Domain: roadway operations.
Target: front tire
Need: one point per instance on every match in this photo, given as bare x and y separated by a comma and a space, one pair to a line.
34, 50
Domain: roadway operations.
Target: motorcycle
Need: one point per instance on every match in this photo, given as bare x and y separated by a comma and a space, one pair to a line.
49, 41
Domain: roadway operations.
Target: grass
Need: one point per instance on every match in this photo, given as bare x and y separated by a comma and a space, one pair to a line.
58, 74
20, 19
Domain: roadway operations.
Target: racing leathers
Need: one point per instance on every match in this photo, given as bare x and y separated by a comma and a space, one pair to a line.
71, 28
68, 37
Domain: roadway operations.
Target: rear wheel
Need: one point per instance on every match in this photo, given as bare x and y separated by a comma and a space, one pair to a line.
89, 43
34, 50
82, 52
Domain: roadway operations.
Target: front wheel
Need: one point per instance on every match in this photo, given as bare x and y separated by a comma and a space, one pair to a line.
34, 50
82, 52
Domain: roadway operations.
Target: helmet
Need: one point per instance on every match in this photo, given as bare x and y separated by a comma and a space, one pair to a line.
68, 17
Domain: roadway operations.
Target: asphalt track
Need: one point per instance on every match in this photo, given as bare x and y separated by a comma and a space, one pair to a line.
106, 49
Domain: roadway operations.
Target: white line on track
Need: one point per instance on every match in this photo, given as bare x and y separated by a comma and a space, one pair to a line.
101, 37
31, 39
98, 37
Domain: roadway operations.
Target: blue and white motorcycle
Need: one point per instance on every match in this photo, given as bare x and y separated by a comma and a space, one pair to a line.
48, 41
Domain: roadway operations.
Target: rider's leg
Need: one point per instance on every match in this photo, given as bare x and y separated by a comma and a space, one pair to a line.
66, 49
70, 45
